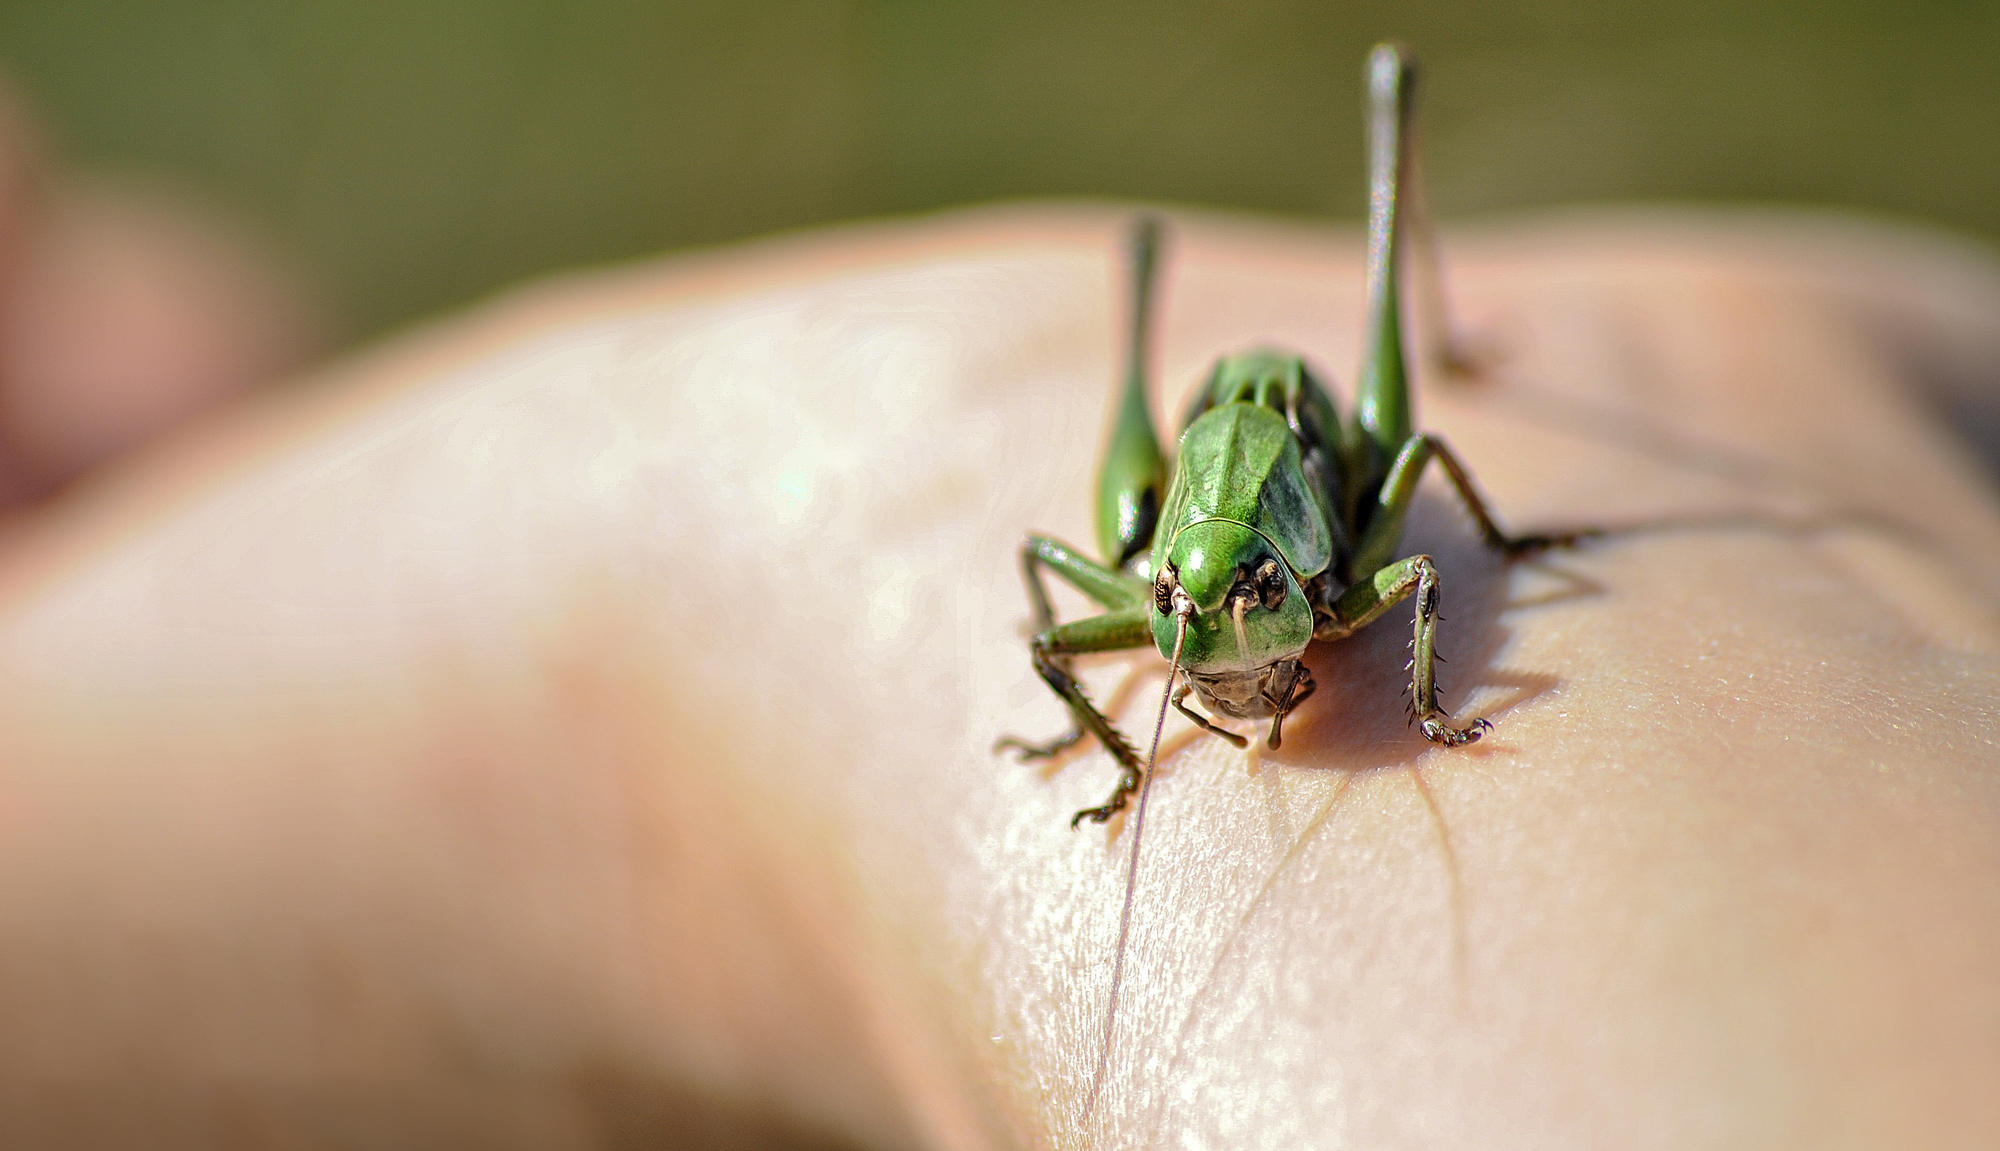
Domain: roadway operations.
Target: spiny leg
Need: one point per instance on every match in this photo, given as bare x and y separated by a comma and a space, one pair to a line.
1112, 631
1113, 589
1032, 560
1367, 600
1201, 721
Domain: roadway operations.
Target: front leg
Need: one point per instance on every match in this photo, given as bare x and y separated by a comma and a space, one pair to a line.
1108, 586
1112, 631
1366, 601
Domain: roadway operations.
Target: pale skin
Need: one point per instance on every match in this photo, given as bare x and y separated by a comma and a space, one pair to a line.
571, 722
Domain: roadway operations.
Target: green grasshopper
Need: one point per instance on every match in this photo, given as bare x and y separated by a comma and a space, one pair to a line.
1282, 523
1280, 528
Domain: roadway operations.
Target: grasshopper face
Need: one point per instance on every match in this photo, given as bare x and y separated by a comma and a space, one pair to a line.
1251, 618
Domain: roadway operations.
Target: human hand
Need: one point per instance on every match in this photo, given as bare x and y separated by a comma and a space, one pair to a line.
573, 721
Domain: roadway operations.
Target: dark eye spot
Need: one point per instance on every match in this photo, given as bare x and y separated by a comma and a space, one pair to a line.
1163, 591
1271, 588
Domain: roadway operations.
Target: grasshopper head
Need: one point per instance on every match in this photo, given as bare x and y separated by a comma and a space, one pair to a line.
1249, 610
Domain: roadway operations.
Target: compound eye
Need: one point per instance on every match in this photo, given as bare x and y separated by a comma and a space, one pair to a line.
1163, 591
1271, 588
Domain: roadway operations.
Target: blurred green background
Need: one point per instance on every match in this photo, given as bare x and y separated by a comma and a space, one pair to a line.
410, 155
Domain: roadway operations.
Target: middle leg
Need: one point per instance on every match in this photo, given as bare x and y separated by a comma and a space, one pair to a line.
1384, 532
1368, 599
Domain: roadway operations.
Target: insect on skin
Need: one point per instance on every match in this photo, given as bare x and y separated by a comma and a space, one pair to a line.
1281, 525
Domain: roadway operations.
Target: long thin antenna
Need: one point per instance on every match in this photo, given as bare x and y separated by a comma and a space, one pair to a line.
1183, 608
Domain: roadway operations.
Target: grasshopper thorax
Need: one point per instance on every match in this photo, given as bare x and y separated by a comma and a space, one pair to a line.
1251, 615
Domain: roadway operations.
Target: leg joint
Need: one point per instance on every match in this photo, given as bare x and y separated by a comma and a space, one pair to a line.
1429, 591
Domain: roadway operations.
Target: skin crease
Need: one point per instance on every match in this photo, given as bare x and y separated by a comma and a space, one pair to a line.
568, 726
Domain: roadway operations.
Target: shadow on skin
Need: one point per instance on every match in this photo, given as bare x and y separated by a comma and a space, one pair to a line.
633, 1113
1358, 722
1643, 435
1359, 719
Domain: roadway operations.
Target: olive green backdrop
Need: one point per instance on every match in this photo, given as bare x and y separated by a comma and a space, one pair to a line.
413, 154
